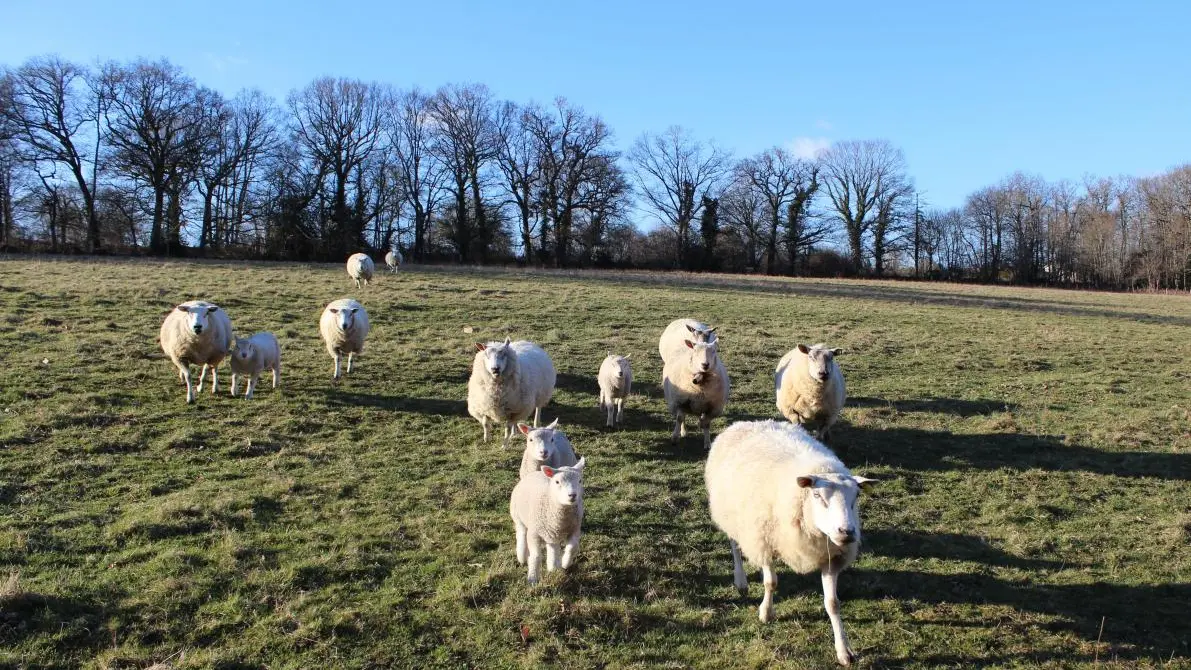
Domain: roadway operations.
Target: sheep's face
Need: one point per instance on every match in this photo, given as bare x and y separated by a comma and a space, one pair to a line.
196, 317
496, 357
345, 318
244, 349
566, 484
702, 334
621, 365
702, 360
540, 442
820, 361
831, 505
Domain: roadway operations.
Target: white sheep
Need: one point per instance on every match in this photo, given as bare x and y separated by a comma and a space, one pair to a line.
254, 355
547, 508
393, 260
510, 381
545, 446
696, 383
616, 383
810, 387
672, 341
344, 326
360, 268
196, 333
779, 493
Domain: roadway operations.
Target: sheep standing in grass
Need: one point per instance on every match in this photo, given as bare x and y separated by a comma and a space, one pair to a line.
254, 355
545, 446
810, 387
696, 383
547, 508
616, 383
510, 381
672, 343
360, 268
196, 333
393, 260
344, 326
779, 493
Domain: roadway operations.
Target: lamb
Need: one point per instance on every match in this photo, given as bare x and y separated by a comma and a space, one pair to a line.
509, 382
671, 342
779, 493
547, 507
254, 355
545, 446
344, 325
810, 387
616, 383
697, 384
196, 333
360, 268
393, 260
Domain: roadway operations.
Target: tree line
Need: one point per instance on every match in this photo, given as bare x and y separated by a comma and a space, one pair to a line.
138, 157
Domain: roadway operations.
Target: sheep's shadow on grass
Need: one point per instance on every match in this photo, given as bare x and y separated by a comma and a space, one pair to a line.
428, 406
574, 383
896, 543
73, 623
954, 406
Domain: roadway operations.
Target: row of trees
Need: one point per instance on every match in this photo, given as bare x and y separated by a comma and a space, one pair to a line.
139, 156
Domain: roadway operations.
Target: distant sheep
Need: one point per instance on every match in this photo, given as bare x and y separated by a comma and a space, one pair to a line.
344, 326
510, 381
196, 333
616, 383
778, 493
545, 446
393, 260
696, 383
671, 343
254, 355
547, 508
360, 268
810, 387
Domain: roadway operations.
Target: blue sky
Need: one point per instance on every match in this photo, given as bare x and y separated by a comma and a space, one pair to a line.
972, 91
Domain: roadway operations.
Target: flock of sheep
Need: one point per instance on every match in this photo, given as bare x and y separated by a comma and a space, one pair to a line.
773, 488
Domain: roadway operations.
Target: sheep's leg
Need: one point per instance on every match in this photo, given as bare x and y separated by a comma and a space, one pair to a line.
569, 551
235, 383
521, 549
602, 404
252, 384
338, 357
738, 575
202, 378
620, 410
276, 375
535, 559
611, 408
350, 355
705, 424
537, 416
484, 423
679, 427
214, 379
766, 609
843, 651
552, 559
506, 433
184, 373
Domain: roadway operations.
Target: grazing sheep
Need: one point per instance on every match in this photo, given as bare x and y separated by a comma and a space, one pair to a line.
545, 446
547, 508
778, 493
196, 333
616, 383
810, 387
344, 325
393, 260
697, 384
509, 382
254, 355
671, 343
360, 268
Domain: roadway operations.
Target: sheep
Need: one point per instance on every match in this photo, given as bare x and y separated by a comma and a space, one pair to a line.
616, 383
196, 333
779, 493
360, 268
344, 325
545, 446
509, 382
547, 507
393, 260
810, 387
671, 342
254, 355
697, 384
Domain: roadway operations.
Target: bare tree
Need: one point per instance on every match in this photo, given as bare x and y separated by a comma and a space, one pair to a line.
780, 180
419, 172
742, 210
674, 172
464, 142
519, 159
859, 176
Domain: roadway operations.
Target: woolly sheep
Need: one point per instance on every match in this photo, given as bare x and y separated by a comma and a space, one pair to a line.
810, 387
360, 268
697, 384
254, 355
545, 446
547, 508
616, 383
779, 493
393, 260
509, 382
196, 333
671, 343
344, 326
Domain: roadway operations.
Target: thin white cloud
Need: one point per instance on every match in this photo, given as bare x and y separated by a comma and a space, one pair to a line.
809, 147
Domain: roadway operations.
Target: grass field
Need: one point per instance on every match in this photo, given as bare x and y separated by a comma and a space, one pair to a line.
1034, 447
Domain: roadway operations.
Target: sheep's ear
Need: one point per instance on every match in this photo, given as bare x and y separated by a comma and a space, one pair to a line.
355, 309
628, 357
524, 428
212, 308
183, 308
691, 328
508, 340
480, 346
837, 352
689, 344
804, 349
581, 464
711, 331
864, 482
548, 471
553, 425
807, 481
333, 310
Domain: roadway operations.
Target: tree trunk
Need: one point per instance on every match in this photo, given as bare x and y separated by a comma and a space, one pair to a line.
156, 241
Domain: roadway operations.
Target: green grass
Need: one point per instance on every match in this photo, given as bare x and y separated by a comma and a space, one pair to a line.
1034, 447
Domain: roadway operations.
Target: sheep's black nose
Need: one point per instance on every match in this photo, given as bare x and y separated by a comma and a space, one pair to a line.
706, 366
849, 534
198, 329
571, 497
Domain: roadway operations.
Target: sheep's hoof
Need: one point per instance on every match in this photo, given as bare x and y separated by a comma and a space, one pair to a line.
845, 656
765, 613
